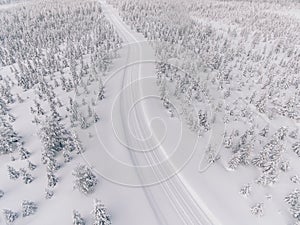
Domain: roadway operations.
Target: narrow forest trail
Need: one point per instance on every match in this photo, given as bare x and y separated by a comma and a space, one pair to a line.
172, 199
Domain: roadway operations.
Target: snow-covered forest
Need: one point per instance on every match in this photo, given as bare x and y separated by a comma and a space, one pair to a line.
237, 63
53, 56
231, 69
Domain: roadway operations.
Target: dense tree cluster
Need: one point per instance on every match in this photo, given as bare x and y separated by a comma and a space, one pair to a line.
199, 35
193, 40
234, 62
85, 179
52, 51
293, 199
68, 29
3, 2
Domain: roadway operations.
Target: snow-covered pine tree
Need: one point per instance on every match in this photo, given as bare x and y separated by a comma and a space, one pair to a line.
53, 135
52, 165
77, 219
54, 114
85, 179
26, 177
9, 215
3, 107
31, 166
52, 179
211, 155
20, 100
101, 217
95, 118
293, 199
257, 209
48, 194
83, 122
67, 156
234, 162
9, 140
39, 109
246, 190
12, 173
1, 193
265, 131
228, 140
294, 133
203, 120
77, 144
28, 208
11, 118
24, 154
296, 148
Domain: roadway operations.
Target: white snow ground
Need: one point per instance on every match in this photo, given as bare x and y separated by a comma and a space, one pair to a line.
188, 197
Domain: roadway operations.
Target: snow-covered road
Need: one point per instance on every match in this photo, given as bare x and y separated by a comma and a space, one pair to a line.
170, 196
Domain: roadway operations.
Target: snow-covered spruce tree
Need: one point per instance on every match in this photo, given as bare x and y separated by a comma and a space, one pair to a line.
77, 144
164, 95
95, 118
67, 156
101, 95
83, 122
268, 160
85, 179
281, 133
234, 162
203, 120
28, 208
3, 107
296, 148
101, 217
295, 179
24, 154
54, 114
74, 109
9, 216
48, 194
5, 93
31, 166
228, 139
246, 190
211, 155
20, 100
53, 135
52, 179
26, 177
11, 118
1, 193
257, 209
284, 166
12, 173
77, 219
9, 140
47, 156
293, 199
294, 133
52, 165
39, 109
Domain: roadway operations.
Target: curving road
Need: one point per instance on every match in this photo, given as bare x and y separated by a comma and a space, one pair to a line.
173, 201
